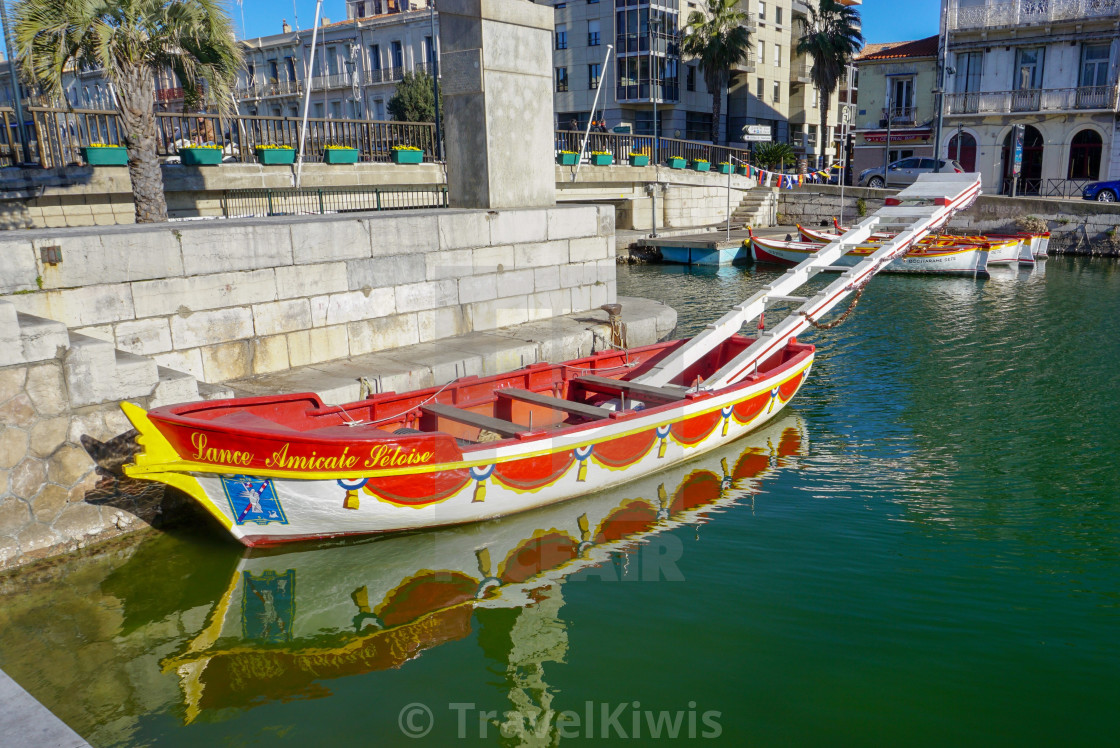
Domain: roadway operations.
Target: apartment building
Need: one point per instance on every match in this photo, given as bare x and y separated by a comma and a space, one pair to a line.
1048, 65
770, 87
358, 62
896, 114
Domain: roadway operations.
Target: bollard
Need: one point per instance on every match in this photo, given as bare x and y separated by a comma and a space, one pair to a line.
618, 327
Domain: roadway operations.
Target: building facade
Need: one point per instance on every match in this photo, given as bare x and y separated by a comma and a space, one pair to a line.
1050, 66
771, 87
896, 113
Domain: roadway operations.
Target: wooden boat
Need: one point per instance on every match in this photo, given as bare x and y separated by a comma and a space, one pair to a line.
1007, 250
286, 620
283, 468
956, 259
1036, 243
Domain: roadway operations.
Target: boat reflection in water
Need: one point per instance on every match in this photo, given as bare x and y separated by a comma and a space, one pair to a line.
291, 618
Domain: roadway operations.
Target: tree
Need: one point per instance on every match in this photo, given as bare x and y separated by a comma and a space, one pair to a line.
769, 155
832, 36
413, 101
718, 38
132, 41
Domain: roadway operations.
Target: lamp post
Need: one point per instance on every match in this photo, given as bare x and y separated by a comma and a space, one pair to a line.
942, 54
653, 28
435, 79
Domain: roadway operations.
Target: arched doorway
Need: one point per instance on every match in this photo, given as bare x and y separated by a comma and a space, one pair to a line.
1085, 155
962, 149
1030, 177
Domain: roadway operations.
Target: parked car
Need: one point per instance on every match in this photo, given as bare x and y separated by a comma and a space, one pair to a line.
905, 171
1102, 192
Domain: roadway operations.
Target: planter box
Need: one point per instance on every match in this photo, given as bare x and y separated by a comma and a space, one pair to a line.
600, 159
639, 160
724, 168
408, 157
676, 163
340, 155
200, 156
276, 156
566, 159
741, 170
114, 156
702, 165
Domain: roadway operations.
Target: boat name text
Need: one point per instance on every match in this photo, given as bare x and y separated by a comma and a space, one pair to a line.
213, 454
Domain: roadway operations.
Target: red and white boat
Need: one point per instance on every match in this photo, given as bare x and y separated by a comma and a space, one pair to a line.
275, 469
1032, 244
957, 259
1002, 250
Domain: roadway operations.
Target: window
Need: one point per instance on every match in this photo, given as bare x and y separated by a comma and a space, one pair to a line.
1085, 155
901, 98
698, 125
593, 71
360, 10
690, 78
777, 55
777, 91
375, 57
290, 64
561, 79
561, 6
1094, 64
332, 60
273, 71
336, 109
398, 55
1028, 68
816, 97
429, 50
561, 36
969, 66
759, 88
318, 110
778, 16
762, 11
591, 2
762, 52
593, 33
251, 70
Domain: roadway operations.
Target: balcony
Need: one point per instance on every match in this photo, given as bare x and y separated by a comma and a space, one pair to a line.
801, 73
1084, 98
1027, 12
747, 65
265, 89
384, 75
901, 116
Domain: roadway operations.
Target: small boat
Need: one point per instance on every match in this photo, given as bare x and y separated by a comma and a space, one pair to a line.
957, 259
1036, 243
288, 467
1002, 250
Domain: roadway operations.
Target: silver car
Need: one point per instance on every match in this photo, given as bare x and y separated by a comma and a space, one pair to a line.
905, 171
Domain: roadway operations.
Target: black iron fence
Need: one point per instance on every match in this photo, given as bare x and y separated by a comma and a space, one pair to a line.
621, 145
55, 137
318, 201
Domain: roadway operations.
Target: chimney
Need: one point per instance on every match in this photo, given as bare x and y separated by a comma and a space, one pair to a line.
285, 28
326, 21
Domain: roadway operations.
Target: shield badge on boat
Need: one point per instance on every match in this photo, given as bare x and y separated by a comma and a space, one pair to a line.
253, 500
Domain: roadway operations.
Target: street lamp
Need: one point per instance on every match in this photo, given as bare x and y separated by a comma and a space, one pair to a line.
653, 28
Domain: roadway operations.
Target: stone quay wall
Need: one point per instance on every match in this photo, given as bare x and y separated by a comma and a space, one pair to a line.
1078, 227
222, 300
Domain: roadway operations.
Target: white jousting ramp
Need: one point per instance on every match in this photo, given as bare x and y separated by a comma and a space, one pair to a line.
924, 206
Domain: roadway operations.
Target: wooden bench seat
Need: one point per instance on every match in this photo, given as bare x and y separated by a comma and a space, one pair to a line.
505, 429
556, 403
632, 389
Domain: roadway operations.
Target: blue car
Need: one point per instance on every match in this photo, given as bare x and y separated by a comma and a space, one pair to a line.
1102, 192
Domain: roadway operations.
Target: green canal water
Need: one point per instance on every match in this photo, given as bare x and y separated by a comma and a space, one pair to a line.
923, 550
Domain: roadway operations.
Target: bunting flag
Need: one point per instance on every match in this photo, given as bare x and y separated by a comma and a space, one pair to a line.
786, 181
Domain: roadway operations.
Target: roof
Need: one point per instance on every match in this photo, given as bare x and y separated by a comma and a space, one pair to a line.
898, 50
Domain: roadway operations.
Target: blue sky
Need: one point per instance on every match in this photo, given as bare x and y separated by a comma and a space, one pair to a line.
883, 20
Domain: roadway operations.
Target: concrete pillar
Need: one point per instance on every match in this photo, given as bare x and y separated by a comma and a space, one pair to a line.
496, 77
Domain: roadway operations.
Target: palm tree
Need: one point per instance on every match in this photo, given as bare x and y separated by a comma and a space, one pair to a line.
718, 38
132, 41
832, 37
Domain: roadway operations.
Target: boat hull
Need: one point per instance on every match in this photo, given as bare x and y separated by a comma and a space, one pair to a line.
263, 507
949, 260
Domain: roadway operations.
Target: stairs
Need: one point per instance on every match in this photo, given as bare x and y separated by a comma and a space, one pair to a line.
756, 208
95, 371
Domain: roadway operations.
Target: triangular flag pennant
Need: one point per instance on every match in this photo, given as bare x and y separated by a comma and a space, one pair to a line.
768, 175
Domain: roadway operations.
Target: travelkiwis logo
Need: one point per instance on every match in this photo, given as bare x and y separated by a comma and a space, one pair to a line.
624, 721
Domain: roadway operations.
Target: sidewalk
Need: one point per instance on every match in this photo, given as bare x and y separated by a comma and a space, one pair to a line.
479, 353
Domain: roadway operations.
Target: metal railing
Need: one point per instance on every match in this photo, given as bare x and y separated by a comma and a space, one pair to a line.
1071, 188
1025, 186
58, 135
803, 73
620, 146
261, 89
1024, 12
1032, 100
260, 203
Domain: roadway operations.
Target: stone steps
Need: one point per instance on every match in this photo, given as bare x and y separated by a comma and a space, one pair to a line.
755, 207
25, 338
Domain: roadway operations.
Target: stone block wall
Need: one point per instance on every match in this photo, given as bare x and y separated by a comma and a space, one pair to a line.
229, 299
1076, 226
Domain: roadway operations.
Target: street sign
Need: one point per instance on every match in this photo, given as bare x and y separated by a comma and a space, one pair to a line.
756, 138
757, 130
1017, 162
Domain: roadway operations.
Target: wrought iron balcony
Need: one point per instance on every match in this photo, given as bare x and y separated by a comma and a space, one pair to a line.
1010, 13
1084, 98
264, 89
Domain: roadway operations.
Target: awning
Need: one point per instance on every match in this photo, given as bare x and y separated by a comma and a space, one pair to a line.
880, 136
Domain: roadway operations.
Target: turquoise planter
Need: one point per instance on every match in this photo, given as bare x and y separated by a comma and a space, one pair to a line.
407, 157
601, 159
566, 159
742, 170
340, 155
724, 168
639, 160
200, 156
702, 165
276, 156
113, 156
676, 163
